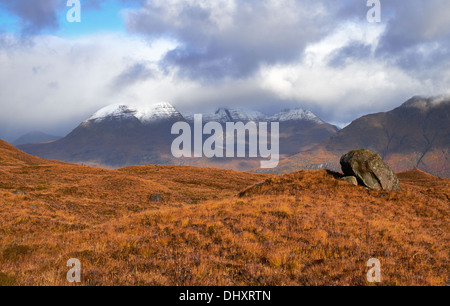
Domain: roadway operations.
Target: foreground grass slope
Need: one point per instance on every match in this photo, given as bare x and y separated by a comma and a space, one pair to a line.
215, 227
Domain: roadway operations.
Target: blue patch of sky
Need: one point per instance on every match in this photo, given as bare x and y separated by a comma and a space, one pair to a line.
8, 23
107, 18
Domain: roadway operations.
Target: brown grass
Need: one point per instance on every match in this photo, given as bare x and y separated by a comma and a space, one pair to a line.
215, 227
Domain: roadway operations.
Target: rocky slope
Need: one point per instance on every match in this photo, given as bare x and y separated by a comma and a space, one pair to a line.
414, 135
123, 135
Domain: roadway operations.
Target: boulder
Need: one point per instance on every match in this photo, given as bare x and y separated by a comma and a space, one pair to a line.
351, 179
370, 170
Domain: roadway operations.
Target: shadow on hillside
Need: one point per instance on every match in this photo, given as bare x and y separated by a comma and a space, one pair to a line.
336, 175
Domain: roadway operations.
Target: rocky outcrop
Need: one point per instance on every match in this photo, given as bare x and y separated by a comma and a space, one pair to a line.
370, 170
351, 179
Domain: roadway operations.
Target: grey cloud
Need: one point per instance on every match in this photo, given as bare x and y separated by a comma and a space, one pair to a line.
255, 32
215, 63
415, 60
415, 22
259, 32
417, 34
351, 52
38, 15
35, 16
220, 52
132, 75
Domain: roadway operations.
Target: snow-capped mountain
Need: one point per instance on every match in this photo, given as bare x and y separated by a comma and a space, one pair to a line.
235, 115
295, 114
125, 135
224, 115
144, 114
165, 111
117, 136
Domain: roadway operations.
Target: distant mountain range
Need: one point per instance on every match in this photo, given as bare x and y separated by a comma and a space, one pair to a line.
125, 135
35, 137
414, 135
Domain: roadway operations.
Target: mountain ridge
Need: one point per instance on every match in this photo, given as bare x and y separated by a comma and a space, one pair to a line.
35, 137
122, 135
414, 135
224, 115
148, 114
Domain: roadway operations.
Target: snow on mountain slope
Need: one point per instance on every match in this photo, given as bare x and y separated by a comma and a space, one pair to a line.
295, 114
235, 115
165, 111
157, 112
145, 114
115, 111
126, 135
224, 115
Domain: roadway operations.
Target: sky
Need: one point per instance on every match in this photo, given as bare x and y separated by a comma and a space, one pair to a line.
265, 55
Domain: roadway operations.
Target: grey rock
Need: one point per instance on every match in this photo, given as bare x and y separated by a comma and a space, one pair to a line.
370, 170
351, 179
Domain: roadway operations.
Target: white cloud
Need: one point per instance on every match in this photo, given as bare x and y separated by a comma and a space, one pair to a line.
55, 82
360, 86
260, 54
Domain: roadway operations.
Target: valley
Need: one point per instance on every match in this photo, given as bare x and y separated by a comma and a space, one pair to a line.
176, 225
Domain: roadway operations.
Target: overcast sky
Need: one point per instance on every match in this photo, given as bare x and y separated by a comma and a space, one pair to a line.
264, 55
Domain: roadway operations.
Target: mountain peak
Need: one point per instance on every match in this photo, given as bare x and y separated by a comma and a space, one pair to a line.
115, 111
145, 114
237, 114
295, 114
157, 112
426, 103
